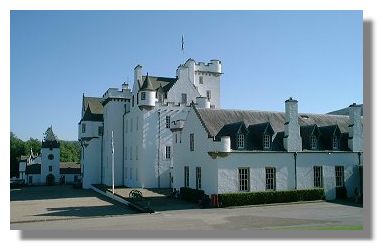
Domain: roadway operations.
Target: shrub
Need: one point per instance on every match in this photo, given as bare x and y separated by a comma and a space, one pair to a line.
267, 197
190, 194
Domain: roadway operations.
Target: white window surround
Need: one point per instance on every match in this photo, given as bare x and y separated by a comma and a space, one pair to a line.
198, 177
314, 142
244, 179
318, 177
266, 142
241, 141
270, 178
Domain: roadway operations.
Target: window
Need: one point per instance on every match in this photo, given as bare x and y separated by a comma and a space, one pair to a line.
83, 128
176, 137
266, 142
167, 152
318, 173
191, 142
75, 178
186, 176
198, 177
201, 80
314, 142
241, 141
243, 175
50, 168
136, 152
132, 100
130, 173
184, 98
100, 130
143, 95
335, 142
137, 98
339, 176
30, 179
167, 121
270, 178
125, 153
208, 94
130, 153
51, 157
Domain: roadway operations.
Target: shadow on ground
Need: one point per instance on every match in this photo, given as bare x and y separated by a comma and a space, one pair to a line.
46, 193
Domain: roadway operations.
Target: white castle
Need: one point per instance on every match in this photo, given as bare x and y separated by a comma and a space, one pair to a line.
171, 133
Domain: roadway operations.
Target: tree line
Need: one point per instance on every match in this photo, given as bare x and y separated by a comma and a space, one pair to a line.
69, 151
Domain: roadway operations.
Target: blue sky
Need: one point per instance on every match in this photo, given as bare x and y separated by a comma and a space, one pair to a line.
267, 56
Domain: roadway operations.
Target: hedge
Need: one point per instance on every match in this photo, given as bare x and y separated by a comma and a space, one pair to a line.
255, 198
190, 194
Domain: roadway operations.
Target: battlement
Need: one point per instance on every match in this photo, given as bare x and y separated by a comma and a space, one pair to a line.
214, 66
115, 93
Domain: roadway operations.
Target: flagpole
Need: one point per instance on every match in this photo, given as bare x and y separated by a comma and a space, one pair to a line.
112, 164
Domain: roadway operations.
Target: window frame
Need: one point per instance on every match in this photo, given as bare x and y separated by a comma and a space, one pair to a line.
339, 176
266, 142
167, 121
270, 178
143, 96
208, 94
168, 151
244, 179
184, 98
318, 177
191, 138
186, 176
314, 142
83, 128
198, 178
241, 141
335, 142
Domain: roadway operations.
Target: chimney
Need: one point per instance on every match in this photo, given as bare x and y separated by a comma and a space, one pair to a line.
355, 128
292, 140
137, 75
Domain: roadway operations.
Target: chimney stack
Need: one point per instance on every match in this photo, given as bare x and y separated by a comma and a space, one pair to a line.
355, 128
292, 140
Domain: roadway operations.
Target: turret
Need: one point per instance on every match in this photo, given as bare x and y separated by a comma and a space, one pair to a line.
147, 95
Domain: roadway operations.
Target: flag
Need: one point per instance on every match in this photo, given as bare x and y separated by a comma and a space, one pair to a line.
112, 144
182, 43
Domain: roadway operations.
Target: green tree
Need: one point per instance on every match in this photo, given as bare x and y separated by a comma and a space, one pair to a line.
17, 149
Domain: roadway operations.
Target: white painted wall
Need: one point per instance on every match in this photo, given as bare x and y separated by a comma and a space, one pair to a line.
45, 163
91, 162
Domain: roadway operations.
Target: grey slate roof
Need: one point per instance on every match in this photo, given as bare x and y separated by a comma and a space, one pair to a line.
94, 104
147, 84
165, 82
93, 110
70, 168
343, 111
214, 119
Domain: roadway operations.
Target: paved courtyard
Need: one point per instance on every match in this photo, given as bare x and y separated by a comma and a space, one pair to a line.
62, 207
31, 204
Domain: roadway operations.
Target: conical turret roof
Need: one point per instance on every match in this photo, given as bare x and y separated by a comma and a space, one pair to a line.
147, 84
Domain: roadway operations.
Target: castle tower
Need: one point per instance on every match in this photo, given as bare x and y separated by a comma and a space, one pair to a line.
147, 95
50, 158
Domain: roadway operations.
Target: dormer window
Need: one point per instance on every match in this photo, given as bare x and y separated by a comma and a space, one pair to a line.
266, 142
241, 141
335, 142
314, 142
143, 95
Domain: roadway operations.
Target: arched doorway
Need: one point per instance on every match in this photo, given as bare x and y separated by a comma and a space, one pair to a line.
50, 179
